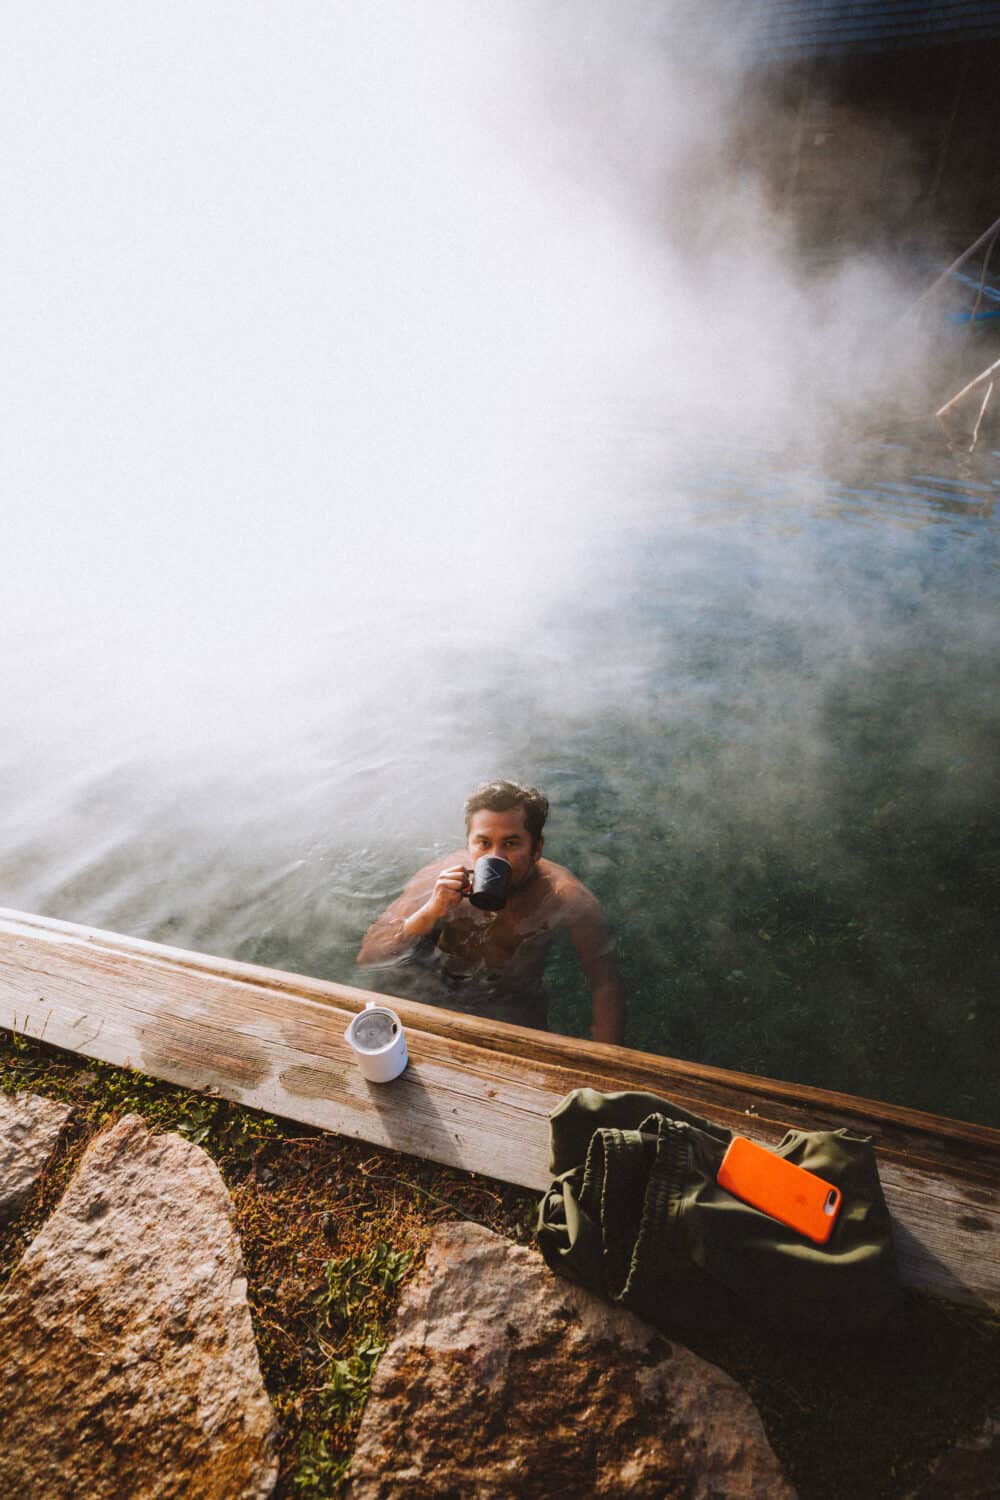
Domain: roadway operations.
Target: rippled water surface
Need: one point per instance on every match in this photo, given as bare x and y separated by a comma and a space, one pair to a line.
764, 701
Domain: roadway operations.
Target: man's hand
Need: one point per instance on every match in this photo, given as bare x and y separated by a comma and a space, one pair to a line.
449, 888
609, 1008
414, 915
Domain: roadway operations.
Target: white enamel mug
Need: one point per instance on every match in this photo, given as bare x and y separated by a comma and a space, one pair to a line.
377, 1039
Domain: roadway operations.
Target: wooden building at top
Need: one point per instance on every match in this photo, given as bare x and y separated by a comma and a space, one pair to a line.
877, 122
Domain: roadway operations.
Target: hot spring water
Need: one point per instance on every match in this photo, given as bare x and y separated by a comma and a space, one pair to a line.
769, 731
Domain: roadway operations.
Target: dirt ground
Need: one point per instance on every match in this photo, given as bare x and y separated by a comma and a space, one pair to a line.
331, 1229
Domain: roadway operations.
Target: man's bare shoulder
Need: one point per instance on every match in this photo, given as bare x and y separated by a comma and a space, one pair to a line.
567, 891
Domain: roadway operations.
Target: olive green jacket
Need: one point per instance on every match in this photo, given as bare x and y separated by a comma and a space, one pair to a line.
635, 1214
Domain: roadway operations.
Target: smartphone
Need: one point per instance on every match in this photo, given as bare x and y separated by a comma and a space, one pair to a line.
777, 1187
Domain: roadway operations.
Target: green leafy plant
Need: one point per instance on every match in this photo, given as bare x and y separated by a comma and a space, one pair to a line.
351, 1294
349, 1380
319, 1470
197, 1118
351, 1282
229, 1132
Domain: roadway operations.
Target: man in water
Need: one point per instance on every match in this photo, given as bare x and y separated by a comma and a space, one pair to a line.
446, 951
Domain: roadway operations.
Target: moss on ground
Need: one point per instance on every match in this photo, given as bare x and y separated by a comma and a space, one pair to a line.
331, 1228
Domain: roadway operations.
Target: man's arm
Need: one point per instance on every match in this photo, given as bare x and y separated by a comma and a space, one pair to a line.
428, 897
592, 941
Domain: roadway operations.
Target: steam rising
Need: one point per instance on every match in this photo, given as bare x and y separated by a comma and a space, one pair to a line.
365, 366
308, 321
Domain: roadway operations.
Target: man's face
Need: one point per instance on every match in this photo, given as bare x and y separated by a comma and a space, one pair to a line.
504, 833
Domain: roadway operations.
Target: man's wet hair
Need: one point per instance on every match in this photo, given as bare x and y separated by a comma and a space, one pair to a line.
504, 796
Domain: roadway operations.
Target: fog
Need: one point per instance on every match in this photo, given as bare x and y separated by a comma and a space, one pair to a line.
364, 367
308, 322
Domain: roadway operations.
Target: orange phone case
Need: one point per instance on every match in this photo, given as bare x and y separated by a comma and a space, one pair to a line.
777, 1187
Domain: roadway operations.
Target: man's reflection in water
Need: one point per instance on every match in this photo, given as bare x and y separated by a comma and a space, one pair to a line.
444, 951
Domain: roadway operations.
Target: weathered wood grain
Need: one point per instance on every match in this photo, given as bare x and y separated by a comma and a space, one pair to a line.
477, 1095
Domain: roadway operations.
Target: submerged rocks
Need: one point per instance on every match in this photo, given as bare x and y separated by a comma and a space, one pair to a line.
29, 1129
504, 1381
127, 1359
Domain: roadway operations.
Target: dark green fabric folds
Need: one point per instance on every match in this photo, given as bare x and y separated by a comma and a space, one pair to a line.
636, 1215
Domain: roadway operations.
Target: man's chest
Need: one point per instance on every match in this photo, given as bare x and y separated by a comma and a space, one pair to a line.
497, 939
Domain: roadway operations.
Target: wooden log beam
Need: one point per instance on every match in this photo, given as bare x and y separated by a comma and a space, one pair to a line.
978, 380
982, 412
978, 244
477, 1094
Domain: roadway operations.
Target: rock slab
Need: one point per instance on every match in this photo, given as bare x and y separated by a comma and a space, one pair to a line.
502, 1380
29, 1129
127, 1360
968, 1471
